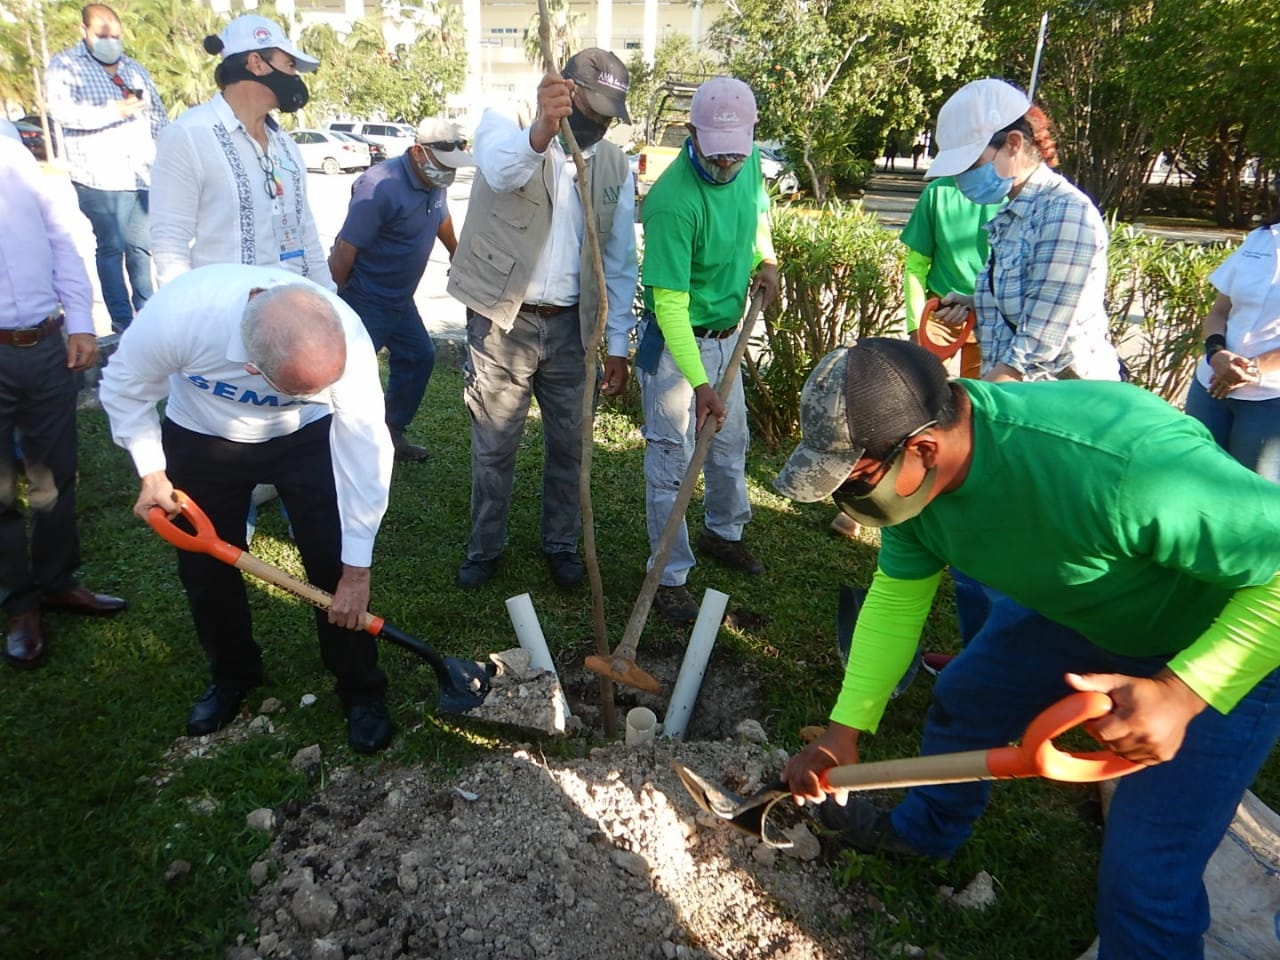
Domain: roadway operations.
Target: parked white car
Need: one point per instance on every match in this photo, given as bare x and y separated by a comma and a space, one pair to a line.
395, 138
330, 151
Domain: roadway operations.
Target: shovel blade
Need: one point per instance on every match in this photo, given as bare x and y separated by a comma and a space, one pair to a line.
747, 814
463, 685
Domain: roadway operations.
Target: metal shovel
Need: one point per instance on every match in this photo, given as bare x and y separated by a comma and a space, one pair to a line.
463, 683
1035, 757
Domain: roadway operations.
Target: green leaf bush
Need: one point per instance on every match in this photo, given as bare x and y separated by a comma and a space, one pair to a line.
840, 273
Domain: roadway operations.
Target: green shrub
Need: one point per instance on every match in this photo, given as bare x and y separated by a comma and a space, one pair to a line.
1158, 292
841, 277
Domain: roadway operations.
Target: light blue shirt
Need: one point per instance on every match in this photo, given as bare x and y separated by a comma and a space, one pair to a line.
39, 265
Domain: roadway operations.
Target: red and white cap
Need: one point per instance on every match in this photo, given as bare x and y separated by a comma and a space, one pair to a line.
253, 34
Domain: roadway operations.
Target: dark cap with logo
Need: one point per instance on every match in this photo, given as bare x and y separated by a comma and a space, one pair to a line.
603, 78
866, 397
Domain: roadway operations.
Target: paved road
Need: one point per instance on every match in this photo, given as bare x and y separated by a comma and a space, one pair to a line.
892, 196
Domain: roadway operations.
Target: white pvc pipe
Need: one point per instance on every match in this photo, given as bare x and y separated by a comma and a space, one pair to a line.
694, 666
529, 634
642, 724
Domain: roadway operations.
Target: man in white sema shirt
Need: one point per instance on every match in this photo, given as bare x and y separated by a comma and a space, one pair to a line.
268, 379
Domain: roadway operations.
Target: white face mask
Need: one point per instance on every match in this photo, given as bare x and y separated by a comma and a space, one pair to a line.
107, 50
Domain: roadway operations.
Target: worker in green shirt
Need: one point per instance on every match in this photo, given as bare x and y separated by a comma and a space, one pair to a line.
1133, 557
706, 233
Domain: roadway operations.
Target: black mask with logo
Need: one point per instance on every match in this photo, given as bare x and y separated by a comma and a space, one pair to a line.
585, 130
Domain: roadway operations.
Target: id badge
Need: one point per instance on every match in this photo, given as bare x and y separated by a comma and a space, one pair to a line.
289, 233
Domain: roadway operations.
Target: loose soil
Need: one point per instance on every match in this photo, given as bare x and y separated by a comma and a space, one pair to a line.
521, 857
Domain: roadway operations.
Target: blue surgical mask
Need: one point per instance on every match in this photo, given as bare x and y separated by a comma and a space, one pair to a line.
983, 185
106, 50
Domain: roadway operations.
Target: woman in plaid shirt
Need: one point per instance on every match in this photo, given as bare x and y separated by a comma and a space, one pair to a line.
1039, 299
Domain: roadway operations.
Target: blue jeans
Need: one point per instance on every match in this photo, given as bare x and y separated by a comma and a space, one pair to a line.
120, 224
1165, 822
973, 604
1249, 430
412, 355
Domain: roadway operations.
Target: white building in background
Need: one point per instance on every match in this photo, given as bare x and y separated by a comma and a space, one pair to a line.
495, 30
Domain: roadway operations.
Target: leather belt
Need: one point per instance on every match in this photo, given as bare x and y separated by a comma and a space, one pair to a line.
30, 336
545, 310
709, 334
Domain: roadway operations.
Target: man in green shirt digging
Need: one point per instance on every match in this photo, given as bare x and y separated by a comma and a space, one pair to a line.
1135, 558
706, 231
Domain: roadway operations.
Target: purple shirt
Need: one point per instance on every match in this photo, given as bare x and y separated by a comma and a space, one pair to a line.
39, 264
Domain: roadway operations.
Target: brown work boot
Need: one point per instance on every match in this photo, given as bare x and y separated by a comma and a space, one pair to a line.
731, 553
675, 605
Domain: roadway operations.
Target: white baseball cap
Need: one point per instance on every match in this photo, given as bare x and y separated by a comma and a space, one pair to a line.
968, 121
446, 141
723, 112
252, 33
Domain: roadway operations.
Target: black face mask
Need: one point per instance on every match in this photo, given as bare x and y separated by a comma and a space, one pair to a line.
585, 130
291, 93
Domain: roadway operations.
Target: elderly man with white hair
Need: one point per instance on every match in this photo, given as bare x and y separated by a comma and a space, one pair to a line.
268, 378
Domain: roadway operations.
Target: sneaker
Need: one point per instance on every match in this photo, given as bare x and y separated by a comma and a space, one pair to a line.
934, 662
405, 451
731, 553
369, 727
845, 526
474, 574
566, 569
864, 827
675, 605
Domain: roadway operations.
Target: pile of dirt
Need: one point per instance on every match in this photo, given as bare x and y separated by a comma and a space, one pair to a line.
521, 858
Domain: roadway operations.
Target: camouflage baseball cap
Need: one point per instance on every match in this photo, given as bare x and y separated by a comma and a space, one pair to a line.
861, 398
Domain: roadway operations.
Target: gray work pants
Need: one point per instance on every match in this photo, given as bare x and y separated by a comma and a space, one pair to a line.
542, 357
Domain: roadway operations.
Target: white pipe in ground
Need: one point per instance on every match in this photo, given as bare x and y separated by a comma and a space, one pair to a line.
694, 667
642, 725
529, 634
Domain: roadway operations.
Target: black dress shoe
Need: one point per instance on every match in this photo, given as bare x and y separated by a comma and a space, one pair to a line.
24, 645
369, 727
216, 707
405, 449
566, 569
83, 600
474, 574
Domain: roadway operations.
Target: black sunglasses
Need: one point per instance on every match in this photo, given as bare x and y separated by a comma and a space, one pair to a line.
859, 488
446, 145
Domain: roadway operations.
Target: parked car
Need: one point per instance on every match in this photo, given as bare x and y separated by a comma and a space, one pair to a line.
377, 152
395, 138
330, 151
777, 169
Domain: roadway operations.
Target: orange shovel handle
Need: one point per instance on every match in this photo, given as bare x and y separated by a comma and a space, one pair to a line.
1036, 756
944, 351
204, 540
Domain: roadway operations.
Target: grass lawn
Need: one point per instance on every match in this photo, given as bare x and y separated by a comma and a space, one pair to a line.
95, 811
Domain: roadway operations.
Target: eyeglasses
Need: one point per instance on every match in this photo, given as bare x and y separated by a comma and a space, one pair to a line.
126, 90
273, 185
729, 158
859, 488
299, 397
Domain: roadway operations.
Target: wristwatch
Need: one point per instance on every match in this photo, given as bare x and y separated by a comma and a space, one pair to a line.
1213, 343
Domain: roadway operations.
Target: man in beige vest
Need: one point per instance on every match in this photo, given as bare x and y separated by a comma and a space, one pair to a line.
525, 276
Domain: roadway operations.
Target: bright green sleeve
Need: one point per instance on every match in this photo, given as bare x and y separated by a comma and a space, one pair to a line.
671, 308
884, 641
915, 286
1240, 648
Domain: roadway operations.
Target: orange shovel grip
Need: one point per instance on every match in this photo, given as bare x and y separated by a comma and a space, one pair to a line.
204, 540
944, 351
1036, 756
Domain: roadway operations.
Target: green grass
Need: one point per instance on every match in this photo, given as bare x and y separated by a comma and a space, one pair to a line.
94, 811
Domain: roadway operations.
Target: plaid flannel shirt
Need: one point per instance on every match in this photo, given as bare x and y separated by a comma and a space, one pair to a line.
1047, 278
103, 150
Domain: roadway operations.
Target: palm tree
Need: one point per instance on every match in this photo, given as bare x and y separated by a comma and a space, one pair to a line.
564, 25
